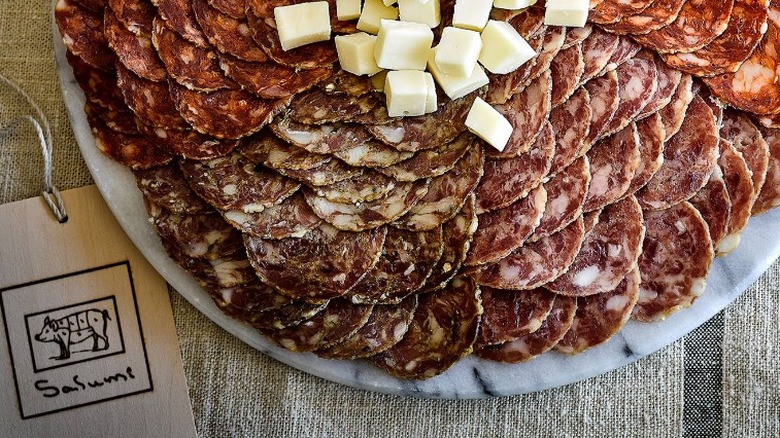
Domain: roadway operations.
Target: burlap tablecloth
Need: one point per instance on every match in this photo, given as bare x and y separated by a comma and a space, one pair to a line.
722, 379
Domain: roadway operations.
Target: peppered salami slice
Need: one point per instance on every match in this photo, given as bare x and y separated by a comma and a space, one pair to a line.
769, 197
367, 187
597, 50
166, 187
323, 263
527, 347
270, 80
385, 327
534, 264
202, 236
658, 15
503, 87
689, 158
608, 253
82, 33
322, 139
651, 150
120, 120
576, 35
432, 162
567, 68
739, 184
316, 107
232, 8
227, 34
358, 217
328, 173
509, 315
604, 101
566, 193
99, 86
508, 179
291, 314
599, 317
458, 233
502, 231
178, 16
233, 183
344, 82
673, 114
150, 101
714, 204
747, 139
225, 272
676, 257
571, 124
135, 15
134, 51
554, 38
442, 331
272, 152
613, 165
290, 218
133, 151
668, 81
254, 297
309, 56
188, 143
371, 154
699, 23
638, 82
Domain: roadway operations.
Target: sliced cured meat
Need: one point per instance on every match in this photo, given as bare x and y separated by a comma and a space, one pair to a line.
135, 15
335, 323
194, 67
189, 144
676, 256
625, 51
714, 204
330, 172
358, 217
227, 34
727, 52
698, 24
668, 81
673, 114
716, 105
739, 184
599, 317
442, 331
224, 113
527, 347
367, 187
225, 272
93, 5
770, 192
316, 107
652, 134
166, 187
133, 151
134, 51
385, 327
313, 55
534, 264
407, 259
322, 139
432, 162
613, 164
606, 12
99, 86
202, 236
344, 82
604, 101
631, 7
502, 231
291, 218
567, 69
566, 193
233, 183
554, 38
270, 80
747, 139
446, 194
638, 82
150, 101
508, 179
576, 35
658, 15
503, 87
272, 152
178, 16
528, 22
457, 233
82, 33
233, 8
689, 159
264, 8
608, 253
121, 120
597, 50
323, 263
571, 125
372, 154
509, 315
253, 297
293, 313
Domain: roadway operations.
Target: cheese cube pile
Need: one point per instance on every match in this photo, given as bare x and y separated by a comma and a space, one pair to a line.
302, 24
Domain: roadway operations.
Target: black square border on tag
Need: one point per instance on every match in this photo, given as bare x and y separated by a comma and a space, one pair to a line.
126, 264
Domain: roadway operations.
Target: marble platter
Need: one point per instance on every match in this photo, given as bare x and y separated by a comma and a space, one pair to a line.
470, 378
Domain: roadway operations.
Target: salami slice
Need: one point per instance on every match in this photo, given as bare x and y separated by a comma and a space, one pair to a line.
599, 317
608, 253
264, 9
509, 315
747, 139
689, 159
527, 347
659, 14
367, 187
227, 34
150, 101
322, 139
673, 114
606, 12
566, 193
135, 15
457, 233
232, 8
166, 187
613, 165
291, 218
534, 264
668, 81
82, 33
625, 51
739, 184
576, 35
178, 16
770, 192
270, 80
432, 162
119, 120
323, 263
134, 51
254, 297
597, 50
571, 125
291, 314
567, 68
314, 55
344, 82
272, 152
225, 272
631, 7
638, 82
503, 87
232, 183
714, 204
554, 38
502, 231
133, 151
528, 22
93, 5
359, 217
330, 172
676, 257
189, 144
202, 236
508, 179
651, 150
442, 331
604, 101
99, 86
315, 107
372, 154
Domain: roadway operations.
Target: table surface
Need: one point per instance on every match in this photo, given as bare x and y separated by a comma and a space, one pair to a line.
722, 379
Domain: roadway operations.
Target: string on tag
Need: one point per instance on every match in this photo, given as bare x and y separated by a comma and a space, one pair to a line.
43, 130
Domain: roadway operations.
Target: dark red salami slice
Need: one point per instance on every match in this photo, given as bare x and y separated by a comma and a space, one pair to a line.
599, 317
605, 12
597, 50
178, 16
571, 125
202, 236
150, 101
689, 159
509, 315
508, 179
631, 7
343, 82
99, 86
528, 22
291, 218
371, 154
502, 231
604, 101
233, 183
189, 144
134, 51
367, 187
227, 34
567, 69
739, 184
638, 82
291, 314
442, 332
714, 204
82, 33
625, 51
133, 151
658, 15
254, 297
315, 107
314, 55
608, 253
323, 263
554, 38
668, 81
93, 5
673, 114
676, 257
225, 272
652, 134
432, 162
232, 8
323, 139
770, 192
166, 187
745, 136
566, 193
265, 8
272, 152
503, 87
576, 35
135, 15
541, 341
119, 120
358, 217
457, 233
613, 165
385, 327
534, 264
270, 80
330, 172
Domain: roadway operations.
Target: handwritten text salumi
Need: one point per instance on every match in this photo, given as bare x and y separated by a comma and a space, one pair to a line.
51, 390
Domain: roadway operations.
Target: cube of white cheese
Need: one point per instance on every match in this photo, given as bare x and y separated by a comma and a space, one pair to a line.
431, 104
458, 51
356, 53
374, 11
489, 124
456, 86
471, 14
428, 13
378, 81
571, 13
402, 46
513, 4
302, 24
406, 92
503, 49
347, 9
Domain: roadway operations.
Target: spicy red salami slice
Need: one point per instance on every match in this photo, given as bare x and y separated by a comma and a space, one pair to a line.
314, 55
457, 233
120, 120
566, 193
290, 218
658, 15
178, 16
232, 8
93, 5
134, 51
133, 151
150, 101
135, 15
270, 80
166, 187
698, 24
509, 315
571, 125
769, 197
714, 204
99, 86
82, 33
188, 143
227, 34
739, 184
253, 297
613, 164
202, 236
652, 135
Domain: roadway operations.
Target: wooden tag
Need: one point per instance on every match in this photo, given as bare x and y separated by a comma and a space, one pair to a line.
89, 345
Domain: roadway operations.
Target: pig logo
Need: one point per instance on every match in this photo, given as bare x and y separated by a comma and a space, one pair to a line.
75, 329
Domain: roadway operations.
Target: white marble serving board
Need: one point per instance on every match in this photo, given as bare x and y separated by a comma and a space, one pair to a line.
470, 378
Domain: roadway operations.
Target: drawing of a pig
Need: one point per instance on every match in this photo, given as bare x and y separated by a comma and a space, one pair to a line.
76, 328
